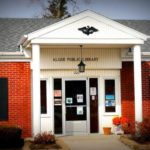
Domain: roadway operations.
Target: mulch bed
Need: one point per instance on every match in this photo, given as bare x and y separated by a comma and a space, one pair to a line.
133, 144
44, 146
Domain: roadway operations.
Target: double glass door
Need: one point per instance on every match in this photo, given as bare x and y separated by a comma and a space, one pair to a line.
75, 106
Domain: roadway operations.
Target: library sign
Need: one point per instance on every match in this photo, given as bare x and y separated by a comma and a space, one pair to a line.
69, 59
72, 59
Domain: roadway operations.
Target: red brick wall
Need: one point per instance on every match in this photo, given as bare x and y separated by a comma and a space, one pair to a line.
146, 89
19, 98
127, 90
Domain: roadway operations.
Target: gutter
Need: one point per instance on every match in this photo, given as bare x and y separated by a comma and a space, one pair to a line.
11, 53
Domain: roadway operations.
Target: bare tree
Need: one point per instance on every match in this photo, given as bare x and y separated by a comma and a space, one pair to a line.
57, 9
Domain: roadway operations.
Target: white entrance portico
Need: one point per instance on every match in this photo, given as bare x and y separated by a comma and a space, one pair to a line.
64, 37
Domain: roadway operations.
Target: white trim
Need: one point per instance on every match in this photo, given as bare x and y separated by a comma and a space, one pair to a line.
131, 59
63, 107
14, 60
86, 41
82, 15
22, 40
47, 98
51, 101
36, 89
106, 117
11, 54
88, 104
99, 103
145, 53
117, 97
137, 83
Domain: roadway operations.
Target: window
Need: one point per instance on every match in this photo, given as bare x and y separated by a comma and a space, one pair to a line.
43, 97
110, 100
3, 99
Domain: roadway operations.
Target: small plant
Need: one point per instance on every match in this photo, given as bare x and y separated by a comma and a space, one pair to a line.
141, 133
121, 125
44, 138
116, 121
120, 121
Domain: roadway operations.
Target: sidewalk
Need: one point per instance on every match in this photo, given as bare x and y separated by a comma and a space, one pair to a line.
94, 142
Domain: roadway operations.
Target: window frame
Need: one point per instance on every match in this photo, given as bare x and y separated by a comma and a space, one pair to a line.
47, 99
114, 94
117, 97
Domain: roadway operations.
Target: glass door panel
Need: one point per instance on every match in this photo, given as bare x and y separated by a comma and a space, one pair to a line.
75, 103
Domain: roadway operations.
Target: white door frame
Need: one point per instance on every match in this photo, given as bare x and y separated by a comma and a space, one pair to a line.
63, 102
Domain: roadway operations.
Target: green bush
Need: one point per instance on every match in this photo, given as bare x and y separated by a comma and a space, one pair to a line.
10, 137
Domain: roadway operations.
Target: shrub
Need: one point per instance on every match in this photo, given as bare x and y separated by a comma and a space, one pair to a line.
142, 131
10, 137
44, 138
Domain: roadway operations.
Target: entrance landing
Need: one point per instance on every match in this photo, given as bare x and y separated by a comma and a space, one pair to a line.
94, 142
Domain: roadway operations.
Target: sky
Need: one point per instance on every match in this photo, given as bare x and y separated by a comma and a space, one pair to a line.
114, 9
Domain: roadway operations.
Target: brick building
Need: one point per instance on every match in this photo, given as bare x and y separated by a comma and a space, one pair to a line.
42, 89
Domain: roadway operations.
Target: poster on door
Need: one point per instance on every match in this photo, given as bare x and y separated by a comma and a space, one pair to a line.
57, 93
80, 110
69, 100
79, 98
93, 91
57, 101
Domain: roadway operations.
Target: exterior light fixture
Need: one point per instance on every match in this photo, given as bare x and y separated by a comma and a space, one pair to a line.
81, 65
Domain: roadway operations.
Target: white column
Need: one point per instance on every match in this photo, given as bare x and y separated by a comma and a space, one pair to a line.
36, 106
137, 82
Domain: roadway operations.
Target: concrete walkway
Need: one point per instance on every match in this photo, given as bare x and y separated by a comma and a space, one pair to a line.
94, 142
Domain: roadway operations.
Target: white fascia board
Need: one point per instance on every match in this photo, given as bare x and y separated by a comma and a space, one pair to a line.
119, 26
145, 56
54, 26
11, 54
146, 53
85, 14
87, 41
15, 60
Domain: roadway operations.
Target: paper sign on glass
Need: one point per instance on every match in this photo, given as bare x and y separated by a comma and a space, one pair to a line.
80, 110
93, 91
109, 103
110, 97
69, 100
57, 93
79, 98
57, 101
93, 97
